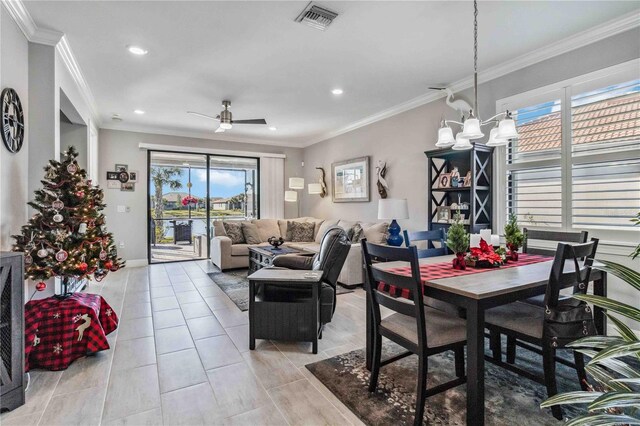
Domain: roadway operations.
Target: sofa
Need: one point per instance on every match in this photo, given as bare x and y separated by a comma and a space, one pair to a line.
228, 255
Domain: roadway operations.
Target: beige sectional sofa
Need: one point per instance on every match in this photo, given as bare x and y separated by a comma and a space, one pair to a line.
226, 255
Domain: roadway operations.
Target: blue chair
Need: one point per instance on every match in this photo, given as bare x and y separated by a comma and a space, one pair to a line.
438, 235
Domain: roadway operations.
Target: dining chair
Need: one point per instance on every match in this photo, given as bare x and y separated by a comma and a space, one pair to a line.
554, 236
438, 235
421, 330
526, 322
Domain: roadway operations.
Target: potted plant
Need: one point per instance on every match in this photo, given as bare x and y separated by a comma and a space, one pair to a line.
614, 396
458, 241
513, 236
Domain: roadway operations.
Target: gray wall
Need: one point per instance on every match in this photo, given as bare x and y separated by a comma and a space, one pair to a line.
14, 168
75, 135
117, 146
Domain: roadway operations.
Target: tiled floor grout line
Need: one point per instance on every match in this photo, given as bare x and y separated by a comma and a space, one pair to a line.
155, 343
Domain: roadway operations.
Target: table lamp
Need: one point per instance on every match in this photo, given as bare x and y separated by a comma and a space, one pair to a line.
393, 208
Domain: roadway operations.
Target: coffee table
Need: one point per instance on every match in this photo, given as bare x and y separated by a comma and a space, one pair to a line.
262, 257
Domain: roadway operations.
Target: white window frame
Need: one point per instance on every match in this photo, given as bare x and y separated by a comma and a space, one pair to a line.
563, 90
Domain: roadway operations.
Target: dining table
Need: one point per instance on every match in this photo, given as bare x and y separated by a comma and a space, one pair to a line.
476, 291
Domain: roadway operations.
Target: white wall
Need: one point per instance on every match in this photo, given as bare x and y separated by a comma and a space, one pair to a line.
117, 146
14, 62
75, 135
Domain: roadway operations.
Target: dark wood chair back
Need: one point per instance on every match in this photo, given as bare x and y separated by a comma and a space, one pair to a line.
438, 235
576, 277
555, 236
375, 276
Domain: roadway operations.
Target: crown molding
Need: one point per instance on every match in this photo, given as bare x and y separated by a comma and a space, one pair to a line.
28, 27
197, 135
73, 67
608, 29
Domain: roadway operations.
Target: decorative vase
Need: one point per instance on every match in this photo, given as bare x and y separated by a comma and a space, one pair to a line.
276, 242
459, 262
513, 252
394, 238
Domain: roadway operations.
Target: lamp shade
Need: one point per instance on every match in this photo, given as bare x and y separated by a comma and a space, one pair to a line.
393, 208
461, 143
291, 196
296, 183
226, 126
494, 140
314, 188
445, 137
507, 129
471, 129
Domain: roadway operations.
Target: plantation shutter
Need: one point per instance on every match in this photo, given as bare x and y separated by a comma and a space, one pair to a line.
605, 155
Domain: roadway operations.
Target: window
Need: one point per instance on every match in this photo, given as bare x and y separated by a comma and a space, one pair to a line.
577, 162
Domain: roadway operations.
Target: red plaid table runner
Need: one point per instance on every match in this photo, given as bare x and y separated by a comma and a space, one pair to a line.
59, 331
436, 271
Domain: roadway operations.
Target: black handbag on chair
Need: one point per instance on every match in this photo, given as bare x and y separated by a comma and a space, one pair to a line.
569, 319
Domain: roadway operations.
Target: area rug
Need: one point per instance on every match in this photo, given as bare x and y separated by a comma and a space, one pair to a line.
236, 285
510, 399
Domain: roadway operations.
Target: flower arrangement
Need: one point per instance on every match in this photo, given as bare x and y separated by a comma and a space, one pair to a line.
189, 200
484, 256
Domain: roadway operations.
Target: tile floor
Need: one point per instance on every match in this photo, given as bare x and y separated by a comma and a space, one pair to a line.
181, 357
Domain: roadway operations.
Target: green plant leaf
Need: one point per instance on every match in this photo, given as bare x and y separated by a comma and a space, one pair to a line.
600, 419
625, 273
617, 351
632, 381
596, 342
612, 305
578, 397
614, 365
624, 330
615, 399
605, 378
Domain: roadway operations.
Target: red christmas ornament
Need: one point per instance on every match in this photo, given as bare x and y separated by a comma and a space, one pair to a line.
80, 194
108, 264
41, 286
83, 267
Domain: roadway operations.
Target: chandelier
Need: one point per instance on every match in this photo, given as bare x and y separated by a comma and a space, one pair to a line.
504, 126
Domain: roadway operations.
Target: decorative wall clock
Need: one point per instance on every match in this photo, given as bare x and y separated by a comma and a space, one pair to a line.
12, 120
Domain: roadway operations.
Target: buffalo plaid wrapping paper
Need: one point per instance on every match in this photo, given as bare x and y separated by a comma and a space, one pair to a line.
59, 331
436, 271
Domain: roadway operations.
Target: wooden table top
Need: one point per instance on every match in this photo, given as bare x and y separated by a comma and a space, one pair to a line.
285, 275
489, 283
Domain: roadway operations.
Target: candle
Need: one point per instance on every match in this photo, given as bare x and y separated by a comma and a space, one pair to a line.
495, 240
474, 240
485, 234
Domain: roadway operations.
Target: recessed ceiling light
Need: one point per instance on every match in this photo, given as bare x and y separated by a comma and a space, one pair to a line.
137, 50
273, 128
139, 111
337, 91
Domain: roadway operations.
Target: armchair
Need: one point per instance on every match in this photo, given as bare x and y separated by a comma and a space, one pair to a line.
334, 249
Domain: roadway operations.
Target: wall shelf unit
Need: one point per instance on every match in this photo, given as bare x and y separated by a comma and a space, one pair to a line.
477, 195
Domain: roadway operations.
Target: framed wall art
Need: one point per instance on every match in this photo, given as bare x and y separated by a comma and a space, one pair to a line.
350, 180
133, 176
112, 175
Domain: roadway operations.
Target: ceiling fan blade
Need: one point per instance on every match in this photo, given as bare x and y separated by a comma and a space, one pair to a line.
203, 115
254, 121
219, 130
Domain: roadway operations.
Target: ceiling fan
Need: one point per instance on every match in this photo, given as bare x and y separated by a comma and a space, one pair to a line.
225, 118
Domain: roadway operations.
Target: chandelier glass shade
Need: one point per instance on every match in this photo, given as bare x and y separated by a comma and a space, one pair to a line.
505, 127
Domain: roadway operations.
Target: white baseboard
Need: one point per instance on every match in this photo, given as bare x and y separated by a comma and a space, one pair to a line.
134, 263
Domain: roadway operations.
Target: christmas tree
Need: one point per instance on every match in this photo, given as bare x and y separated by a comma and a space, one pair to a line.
457, 237
512, 234
67, 237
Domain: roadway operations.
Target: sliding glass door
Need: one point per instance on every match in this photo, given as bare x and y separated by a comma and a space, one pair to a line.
187, 192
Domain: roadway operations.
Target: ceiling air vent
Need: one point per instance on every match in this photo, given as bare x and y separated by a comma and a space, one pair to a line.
316, 16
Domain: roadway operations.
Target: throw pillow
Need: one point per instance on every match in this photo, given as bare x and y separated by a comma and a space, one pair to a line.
218, 229
234, 231
300, 232
324, 228
355, 233
375, 232
251, 234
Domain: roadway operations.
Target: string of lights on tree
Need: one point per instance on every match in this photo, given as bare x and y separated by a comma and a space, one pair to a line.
67, 236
